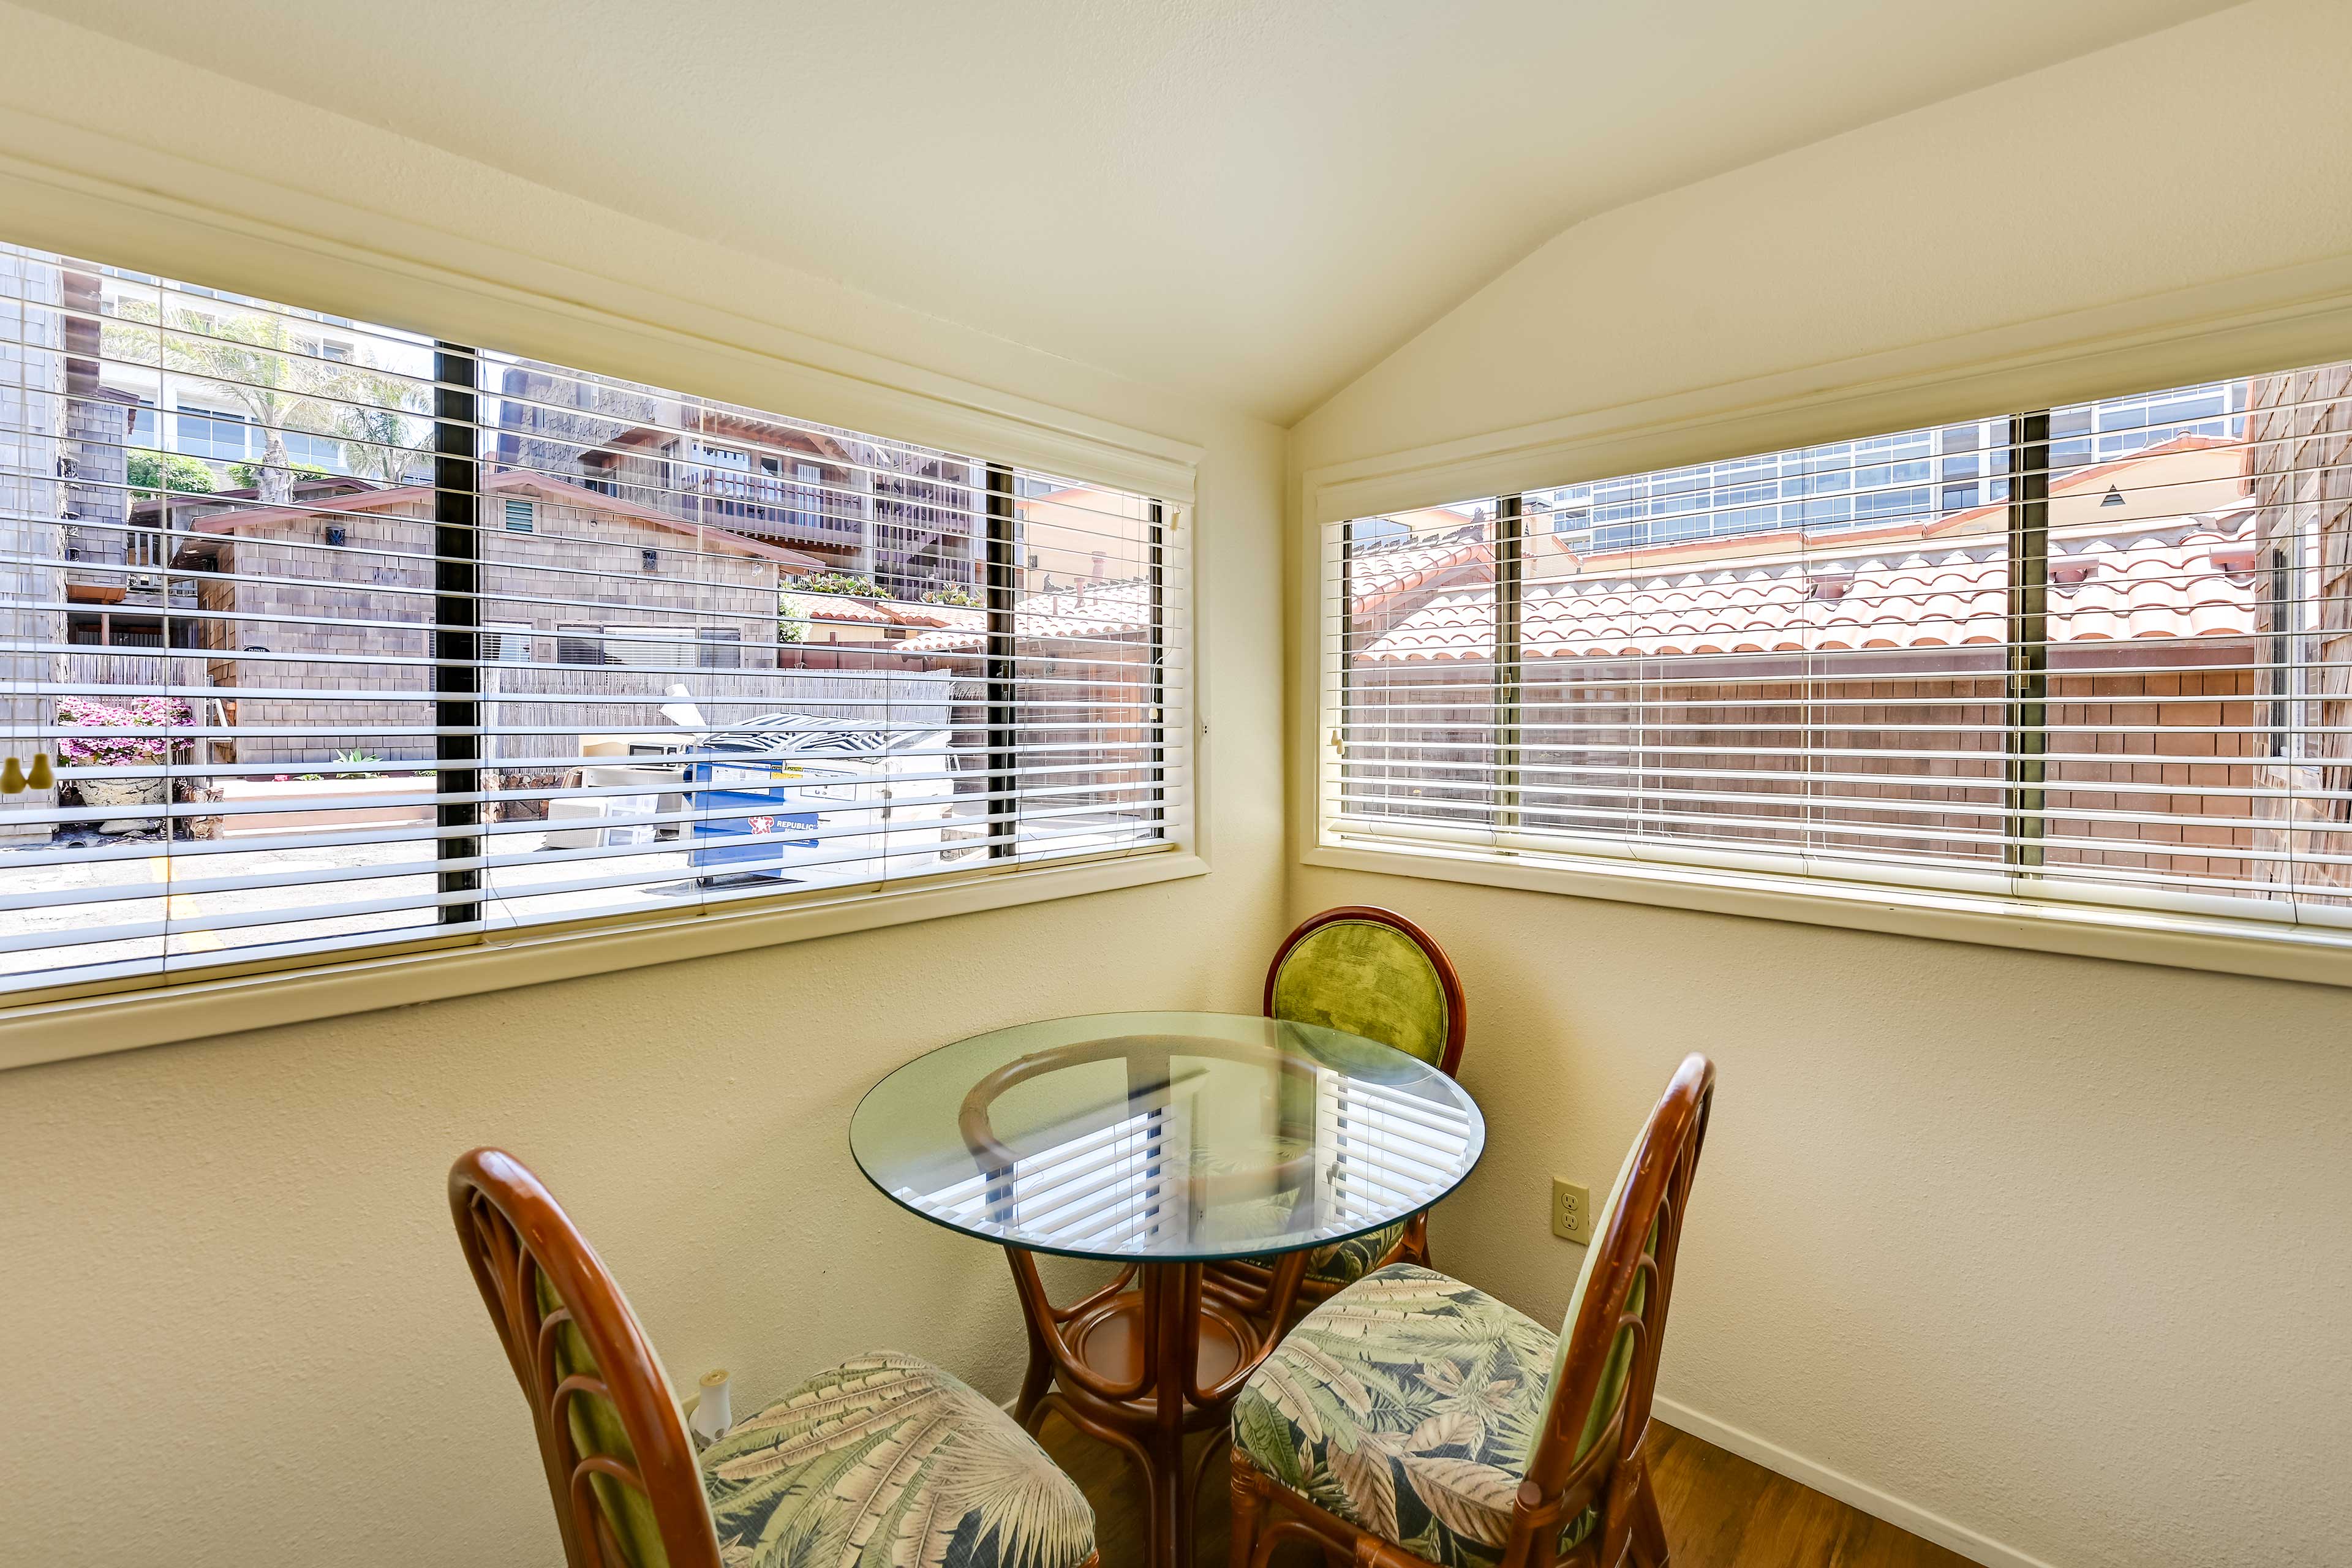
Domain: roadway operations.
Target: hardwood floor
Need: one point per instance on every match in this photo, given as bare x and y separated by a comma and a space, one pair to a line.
1721, 1510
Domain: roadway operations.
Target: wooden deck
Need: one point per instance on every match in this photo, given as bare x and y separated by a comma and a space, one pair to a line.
1721, 1510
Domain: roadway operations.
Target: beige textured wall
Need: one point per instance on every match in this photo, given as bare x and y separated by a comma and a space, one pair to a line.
234, 1329
2049, 1247
2211, 151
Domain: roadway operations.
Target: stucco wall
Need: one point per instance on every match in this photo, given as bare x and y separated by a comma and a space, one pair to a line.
238, 1332
2043, 1246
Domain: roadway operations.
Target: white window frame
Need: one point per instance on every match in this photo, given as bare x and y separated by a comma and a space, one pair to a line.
764, 368
1722, 424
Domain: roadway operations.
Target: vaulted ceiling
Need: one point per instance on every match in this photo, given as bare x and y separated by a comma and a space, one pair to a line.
1257, 199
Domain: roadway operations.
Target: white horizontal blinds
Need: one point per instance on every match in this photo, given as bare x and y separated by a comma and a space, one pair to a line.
2198, 603
768, 659
1087, 682
697, 721
1415, 742
229, 669
2087, 653
344, 637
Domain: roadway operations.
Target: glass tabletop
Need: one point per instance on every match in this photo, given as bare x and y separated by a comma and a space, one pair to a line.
1169, 1137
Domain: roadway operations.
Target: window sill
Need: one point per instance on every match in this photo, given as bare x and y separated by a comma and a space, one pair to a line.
2178, 942
60, 1031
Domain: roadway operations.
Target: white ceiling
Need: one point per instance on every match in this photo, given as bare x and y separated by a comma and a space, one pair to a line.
1257, 199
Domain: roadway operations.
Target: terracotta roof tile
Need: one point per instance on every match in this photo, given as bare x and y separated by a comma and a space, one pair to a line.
2168, 578
1101, 610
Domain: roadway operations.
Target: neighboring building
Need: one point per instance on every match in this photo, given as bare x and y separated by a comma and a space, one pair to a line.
2300, 458
33, 447
1917, 476
175, 407
906, 518
568, 578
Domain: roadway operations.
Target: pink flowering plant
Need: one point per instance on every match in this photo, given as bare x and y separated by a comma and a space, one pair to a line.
128, 713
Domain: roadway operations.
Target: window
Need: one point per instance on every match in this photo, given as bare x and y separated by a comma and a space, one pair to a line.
506, 642
305, 449
580, 645
807, 496
209, 433
2123, 678
1843, 483
670, 649
720, 648
319, 728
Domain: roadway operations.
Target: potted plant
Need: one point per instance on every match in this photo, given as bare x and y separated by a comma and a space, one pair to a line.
121, 751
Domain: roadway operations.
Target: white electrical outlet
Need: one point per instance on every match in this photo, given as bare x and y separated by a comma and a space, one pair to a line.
1571, 1211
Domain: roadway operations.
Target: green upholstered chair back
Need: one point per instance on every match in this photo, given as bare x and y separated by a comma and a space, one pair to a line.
1370, 973
1606, 1367
620, 1466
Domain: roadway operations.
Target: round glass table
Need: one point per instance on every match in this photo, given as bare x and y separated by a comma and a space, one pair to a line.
1207, 1153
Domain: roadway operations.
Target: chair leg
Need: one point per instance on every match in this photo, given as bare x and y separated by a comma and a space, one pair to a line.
1648, 1536
1246, 1505
1034, 1381
1413, 1246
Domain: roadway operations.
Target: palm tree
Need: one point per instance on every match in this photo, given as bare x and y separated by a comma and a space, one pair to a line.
251, 358
380, 426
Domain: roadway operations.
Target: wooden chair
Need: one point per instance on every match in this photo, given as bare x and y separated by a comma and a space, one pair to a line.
1355, 1435
884, 1458
1373, 973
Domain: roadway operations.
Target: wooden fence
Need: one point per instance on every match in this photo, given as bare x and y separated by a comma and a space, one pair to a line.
1632, 747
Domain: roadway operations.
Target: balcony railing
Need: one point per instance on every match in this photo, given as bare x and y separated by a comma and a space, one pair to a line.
769, 505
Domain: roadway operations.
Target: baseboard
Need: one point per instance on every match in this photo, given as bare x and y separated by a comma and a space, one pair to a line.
1927, 1526
1903, 1515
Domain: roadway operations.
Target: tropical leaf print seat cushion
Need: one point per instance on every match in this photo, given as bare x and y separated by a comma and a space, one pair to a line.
1407, 1404
1345, 1262
888, 1462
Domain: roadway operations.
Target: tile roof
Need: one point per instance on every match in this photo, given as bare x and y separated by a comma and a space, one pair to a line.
1099, 610
859, 610
1381, 571
840, 608
2167, 578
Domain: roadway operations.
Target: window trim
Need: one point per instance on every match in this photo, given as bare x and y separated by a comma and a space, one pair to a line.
434, 969
2275, 322
2136, 936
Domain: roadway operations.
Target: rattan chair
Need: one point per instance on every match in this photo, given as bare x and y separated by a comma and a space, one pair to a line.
1412, 1419
882, 1460
1373, 973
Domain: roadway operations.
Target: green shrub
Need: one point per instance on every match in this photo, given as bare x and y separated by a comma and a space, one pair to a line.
835, 582
149, 472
